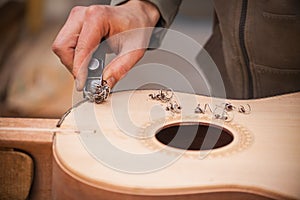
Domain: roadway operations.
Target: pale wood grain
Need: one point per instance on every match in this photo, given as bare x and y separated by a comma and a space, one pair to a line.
262, 160
31, 137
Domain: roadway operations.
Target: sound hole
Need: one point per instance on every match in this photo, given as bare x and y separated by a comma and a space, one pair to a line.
198, 136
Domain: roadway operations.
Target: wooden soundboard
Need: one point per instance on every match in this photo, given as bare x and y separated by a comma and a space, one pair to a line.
262, 161
111, 150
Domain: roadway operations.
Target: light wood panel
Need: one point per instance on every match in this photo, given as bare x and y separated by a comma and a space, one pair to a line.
35, 138
263, 160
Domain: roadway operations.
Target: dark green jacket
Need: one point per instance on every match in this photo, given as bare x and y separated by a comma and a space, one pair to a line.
255, 44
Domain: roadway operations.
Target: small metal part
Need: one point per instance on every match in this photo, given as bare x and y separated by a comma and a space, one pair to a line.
224, 115
174, 107
244, 110
59, 123
229, 107
199, 110
163, 95
94, 64
223, 111
96, 89
206, 107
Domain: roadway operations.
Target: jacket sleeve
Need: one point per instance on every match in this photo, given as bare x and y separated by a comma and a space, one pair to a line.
167, 8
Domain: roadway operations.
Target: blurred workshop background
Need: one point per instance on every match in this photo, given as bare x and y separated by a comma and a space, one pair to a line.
33, 82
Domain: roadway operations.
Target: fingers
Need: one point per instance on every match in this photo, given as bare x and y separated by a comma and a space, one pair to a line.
85, 28
119, 67
66, 40
93, 30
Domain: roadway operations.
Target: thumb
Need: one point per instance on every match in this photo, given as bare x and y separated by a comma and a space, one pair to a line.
120, 66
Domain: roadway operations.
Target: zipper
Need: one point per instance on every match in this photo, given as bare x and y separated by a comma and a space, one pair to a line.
243, 46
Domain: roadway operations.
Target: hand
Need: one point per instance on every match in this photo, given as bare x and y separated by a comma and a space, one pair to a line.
87, 26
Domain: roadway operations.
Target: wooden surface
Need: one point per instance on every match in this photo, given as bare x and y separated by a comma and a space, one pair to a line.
35, 15
29, 94
11, 15
35, 138
262, 161
66, 186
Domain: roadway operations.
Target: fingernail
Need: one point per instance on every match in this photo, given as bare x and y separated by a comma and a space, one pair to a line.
77, 85
111, 81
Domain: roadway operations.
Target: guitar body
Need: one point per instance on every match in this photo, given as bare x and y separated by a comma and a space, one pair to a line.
125, 148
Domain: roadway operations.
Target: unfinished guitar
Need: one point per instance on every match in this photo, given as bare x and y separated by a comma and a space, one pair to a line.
149, 145
136, 147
